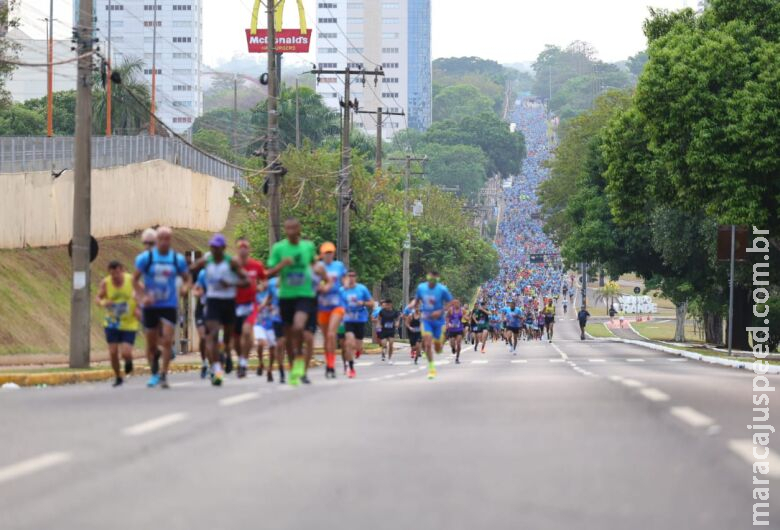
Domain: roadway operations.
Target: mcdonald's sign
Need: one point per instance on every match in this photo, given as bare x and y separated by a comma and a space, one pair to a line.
287, 40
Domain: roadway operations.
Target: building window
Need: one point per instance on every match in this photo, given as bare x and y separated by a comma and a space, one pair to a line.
328, 80
182, 103
327, 20
355, 21
182, 39
327, 50
355, 66
181, 55
389, 94
180, 7
327, 5
354, 50
182, 119
182, 23
389, 50
391, 20
182, 88
148, 71
389, 65
150, 23
327, 35
355, 35
390, 80
354, 5
328, 65
116, 7
390, 35
391, 5
150, 7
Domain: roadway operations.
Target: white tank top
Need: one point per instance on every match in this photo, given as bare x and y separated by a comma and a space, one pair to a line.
220, 279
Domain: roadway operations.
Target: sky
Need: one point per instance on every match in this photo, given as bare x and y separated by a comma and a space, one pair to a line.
508, 31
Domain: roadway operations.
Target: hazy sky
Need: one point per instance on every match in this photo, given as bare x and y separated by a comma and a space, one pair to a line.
506, 30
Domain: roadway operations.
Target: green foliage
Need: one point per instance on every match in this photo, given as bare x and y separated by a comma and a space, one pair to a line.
128, 116
458, 101
461, 166
9, 50
636, 63
214, 142
17, 120
63, 111
317, 121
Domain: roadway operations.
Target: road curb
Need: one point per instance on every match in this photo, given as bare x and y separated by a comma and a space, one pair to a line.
731, 363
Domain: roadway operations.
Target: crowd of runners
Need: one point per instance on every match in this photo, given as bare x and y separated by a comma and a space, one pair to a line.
274, 309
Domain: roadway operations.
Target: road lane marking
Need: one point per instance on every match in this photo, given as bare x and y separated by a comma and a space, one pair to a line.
560, 352
364, 363
439, 363
374, 379
479, 361
32, 465
744, 449
632, 383
403, 363
556, 360
653, 394
154, 425
519, 361
240, 398
185, 383
677, 360
635, 360
615, 378
692, 417
597, 360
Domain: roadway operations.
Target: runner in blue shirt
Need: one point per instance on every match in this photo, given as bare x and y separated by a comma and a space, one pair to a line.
514, 320
433, 298
357, 301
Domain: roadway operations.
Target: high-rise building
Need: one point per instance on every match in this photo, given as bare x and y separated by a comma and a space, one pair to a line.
395, 35
177, 44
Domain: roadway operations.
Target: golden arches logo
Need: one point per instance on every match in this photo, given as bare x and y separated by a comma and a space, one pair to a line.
278, 18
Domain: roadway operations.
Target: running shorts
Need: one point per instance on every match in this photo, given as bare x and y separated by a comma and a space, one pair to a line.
153, 316
243, 312
549, 319
513, 329
266, 335
222, 310
451, 334
118, 336
434, 328
387, 333
414, 338
200, 315
323, 316
358, 329
289, 306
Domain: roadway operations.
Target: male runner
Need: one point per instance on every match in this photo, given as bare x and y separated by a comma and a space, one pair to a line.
583, 316
121, 323
245, 304
330, 308
223, 276
388, 321
357, 301
433, 298
514, 321
199, 290
466, 320
549, 319
292, 258
455, 328
159, 267
479, 317
273, 331
413, 326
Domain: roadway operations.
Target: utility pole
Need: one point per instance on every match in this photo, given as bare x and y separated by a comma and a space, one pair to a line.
152, 120
108, 75
380, 114
731, 286
274, 178
297, 117
80, 293
345, 185
235, 111
50, 76
584, 285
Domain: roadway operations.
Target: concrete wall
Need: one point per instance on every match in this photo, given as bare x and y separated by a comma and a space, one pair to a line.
37, 211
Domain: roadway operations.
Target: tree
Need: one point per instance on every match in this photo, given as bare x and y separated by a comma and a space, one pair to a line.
214, 142
636, 63
63, 110
317, 120
458, 101
9, 50
462, 166
17, 120
130, 100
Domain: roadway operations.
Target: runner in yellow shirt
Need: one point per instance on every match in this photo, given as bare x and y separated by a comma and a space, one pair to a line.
117, 297
549, 318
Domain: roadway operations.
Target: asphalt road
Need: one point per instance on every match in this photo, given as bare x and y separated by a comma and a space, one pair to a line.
569, 435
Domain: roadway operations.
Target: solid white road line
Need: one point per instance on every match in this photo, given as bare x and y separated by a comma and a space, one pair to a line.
632, 383
240, 398
635, 360
692, 417
479, 361
155, 424
519, 361
597, 360
677, 360
30, 466
653, 394
744, 449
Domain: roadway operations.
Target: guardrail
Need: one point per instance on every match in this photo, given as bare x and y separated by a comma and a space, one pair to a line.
41, 153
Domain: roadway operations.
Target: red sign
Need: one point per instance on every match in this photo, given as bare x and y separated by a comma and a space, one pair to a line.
287, 41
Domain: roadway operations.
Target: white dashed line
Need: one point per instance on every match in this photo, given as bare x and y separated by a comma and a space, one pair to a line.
28, 467
439, 363
240, 398
635, 360
519, 361
677, 360
632, 383
182, 384
374, 379
364, 363
155, 424
692, 417
403, 363
653, 394
596, 360
479, 361
556, 360
744, 449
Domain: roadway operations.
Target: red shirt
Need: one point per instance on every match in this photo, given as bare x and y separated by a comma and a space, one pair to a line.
254, 271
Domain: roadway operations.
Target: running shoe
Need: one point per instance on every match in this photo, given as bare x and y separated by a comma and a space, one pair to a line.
295, 380
383, 356
228, 363
282, 378
128, 366
351, 373
305, 380
431, 373
217, 377
483, 349
457, 361
390, 362
270, 377
204, 371
164, 382
241, 372
260, 370
154, 380
117, 382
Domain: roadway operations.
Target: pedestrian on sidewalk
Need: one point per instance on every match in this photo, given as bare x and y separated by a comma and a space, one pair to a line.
583, 316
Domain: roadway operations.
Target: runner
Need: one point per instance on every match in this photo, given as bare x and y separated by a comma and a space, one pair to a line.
455, 328
376, 325
330, 308
466, 321
199, 291
413, 319
292, 258
388, 322
434, 299
514, 321
245, 304
262, 322
273, 330
549, 319
583, 316
540, 320
494, 325
479, 318
159, 267
116, 295
357, 301
565, 305
223, 275
530, 325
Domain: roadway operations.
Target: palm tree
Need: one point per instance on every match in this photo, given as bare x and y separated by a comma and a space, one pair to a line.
608, 293
128, 116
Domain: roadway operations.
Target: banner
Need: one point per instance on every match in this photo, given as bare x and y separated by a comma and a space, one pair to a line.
287, 41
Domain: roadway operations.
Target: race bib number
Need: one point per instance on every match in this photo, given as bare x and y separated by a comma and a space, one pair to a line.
244, 310
296, 279
389, 325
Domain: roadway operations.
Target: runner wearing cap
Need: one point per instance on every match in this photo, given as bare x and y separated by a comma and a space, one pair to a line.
245, 303
223, 276
329, 304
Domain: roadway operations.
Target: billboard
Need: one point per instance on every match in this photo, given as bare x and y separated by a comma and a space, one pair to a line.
287, 40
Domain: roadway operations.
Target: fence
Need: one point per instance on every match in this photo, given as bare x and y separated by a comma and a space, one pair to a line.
23, 153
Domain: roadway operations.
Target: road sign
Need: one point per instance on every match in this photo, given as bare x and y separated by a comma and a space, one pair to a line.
637, 290
93, 248
740, 243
